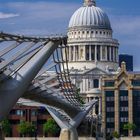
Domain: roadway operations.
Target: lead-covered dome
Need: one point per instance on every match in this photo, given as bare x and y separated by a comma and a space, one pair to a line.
90, 16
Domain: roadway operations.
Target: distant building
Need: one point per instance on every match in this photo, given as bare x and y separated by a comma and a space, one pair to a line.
121, 101
128, 59
36, 115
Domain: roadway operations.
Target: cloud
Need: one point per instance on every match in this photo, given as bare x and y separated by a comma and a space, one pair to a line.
126, 25
7, 15
38, 17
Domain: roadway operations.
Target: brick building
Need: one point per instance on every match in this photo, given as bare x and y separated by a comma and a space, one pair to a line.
37, 115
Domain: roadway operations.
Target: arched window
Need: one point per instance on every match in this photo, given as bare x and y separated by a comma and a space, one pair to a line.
95, 83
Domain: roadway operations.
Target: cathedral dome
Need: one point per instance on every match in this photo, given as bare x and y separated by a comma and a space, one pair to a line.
90, 16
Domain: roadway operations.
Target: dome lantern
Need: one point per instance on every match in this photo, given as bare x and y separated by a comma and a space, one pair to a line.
89, 2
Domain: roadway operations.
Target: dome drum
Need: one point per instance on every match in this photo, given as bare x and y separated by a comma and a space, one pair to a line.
81, 34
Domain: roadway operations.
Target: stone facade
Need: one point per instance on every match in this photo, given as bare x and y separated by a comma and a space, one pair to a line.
92, 50
120, 100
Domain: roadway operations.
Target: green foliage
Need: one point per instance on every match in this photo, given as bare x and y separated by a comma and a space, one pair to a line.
51, 127
115, 134
109, 136
78, 96
6, 127
26, 128
129, 126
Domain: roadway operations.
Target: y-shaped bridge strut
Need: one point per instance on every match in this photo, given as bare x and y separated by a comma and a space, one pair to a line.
18, 72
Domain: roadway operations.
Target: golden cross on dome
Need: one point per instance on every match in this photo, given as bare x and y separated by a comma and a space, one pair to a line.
89, 2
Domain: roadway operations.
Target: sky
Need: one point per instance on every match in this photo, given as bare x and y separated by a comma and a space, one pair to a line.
47, 17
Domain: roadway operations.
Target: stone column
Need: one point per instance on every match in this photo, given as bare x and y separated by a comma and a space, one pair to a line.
101, 53
117, 114
106, 53
104, 113
74, 54
110, 53
69, 53
90, 52
117, 59
130, 109
95, 53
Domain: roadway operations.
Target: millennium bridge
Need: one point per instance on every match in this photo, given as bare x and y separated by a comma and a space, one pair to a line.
23, 61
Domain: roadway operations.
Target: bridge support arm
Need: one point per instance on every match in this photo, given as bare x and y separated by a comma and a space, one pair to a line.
12, 89
52, 100
69, 127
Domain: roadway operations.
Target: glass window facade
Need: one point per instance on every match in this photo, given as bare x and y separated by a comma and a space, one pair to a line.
110, 113
123, 111
136, 111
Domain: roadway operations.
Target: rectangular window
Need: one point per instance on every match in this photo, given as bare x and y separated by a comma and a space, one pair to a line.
136, 82
110, 109
124, 109
123, 98
96, 83
110, 120
109, 83
33, 112
109, 99
109, 93
124, 119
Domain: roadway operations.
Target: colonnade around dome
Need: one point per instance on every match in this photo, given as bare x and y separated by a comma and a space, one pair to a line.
93, 53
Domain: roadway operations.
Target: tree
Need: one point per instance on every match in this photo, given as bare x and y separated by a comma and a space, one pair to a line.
78, 96
50, 127
6, 127
31, 129
129, 126
115, 134
26, 128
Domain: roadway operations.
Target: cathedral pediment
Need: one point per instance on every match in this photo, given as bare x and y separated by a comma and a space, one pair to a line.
96, 71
